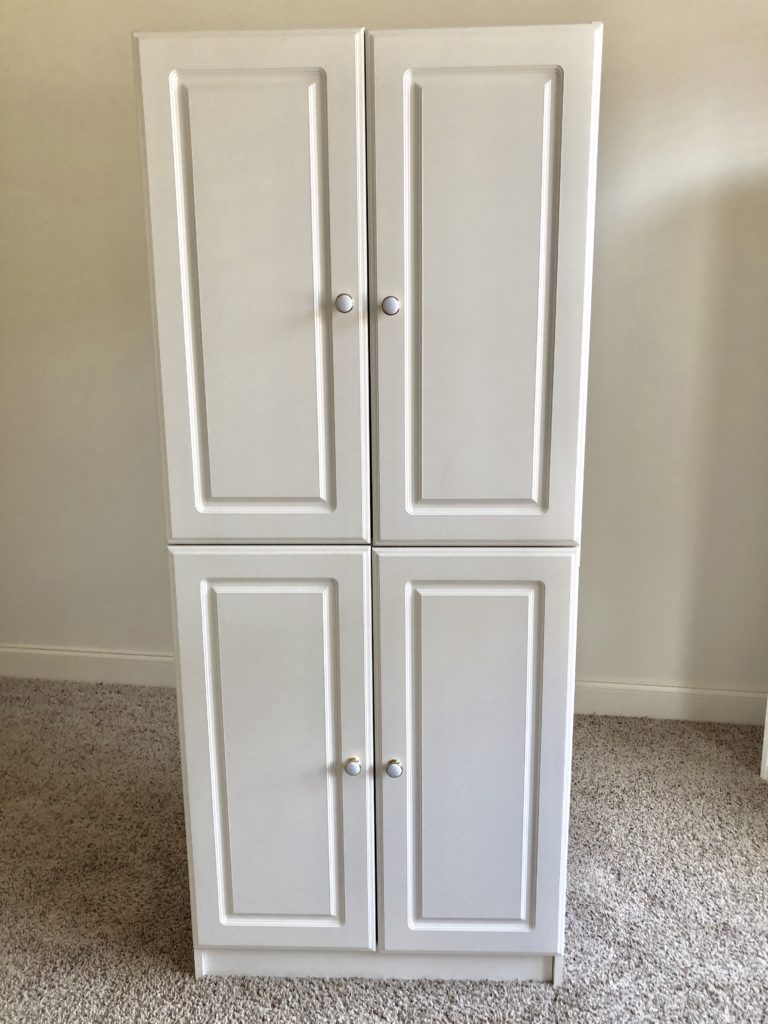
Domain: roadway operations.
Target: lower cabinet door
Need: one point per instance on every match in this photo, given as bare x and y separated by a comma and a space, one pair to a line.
275, 696
474, 658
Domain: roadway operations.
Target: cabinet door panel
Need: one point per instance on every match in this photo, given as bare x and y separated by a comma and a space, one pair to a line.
475, 687
482, 199
255, 177
275, 694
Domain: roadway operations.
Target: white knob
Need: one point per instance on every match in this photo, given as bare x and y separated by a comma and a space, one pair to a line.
391, 305
352, 766
344, 303
393, 768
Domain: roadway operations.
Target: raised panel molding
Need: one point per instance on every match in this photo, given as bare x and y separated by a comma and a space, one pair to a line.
326, 590
523, 914
313, 82
533, 496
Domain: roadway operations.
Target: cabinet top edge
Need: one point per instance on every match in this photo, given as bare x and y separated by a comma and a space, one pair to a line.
592, 27
139, 35
534, 26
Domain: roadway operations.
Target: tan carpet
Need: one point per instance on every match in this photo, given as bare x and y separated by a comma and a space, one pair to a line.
668, 901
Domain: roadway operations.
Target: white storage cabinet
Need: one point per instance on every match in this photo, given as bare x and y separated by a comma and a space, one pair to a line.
372, 266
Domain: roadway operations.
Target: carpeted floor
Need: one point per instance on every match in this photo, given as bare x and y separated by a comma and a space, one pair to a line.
668, 895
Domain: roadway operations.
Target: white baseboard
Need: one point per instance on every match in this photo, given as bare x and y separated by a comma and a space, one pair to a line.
669, 700
88, 665
593, 696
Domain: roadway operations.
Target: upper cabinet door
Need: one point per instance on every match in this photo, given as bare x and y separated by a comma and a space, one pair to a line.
255, 145
482, 200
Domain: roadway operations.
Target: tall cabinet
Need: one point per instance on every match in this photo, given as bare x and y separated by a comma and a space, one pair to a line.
371, 258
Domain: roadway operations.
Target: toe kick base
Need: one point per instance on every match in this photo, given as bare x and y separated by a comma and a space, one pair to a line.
333, 964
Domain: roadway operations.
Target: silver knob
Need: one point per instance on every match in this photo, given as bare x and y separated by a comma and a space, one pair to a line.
391, 305
393, 768
352, 766
344, 303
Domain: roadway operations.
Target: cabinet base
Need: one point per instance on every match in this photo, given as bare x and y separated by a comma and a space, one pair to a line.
281, 963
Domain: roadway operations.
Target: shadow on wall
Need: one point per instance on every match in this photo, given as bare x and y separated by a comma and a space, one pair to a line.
677, 437
728, 596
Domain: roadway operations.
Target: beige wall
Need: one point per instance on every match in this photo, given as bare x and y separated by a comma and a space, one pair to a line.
675, 562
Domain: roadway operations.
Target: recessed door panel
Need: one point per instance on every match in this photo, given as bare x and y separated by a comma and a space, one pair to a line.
275, 693
482, 200
473, 664
475, 691
482, 167
256, 174
277, 687
252, 157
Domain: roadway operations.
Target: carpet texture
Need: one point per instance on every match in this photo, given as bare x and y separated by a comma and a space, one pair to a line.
668, 892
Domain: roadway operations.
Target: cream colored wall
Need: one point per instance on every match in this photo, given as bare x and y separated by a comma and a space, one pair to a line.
675, 562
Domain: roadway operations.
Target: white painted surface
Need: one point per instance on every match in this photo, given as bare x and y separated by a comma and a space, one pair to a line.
667, 700
141, 668
482, 213
354, 964
275, 691
474, 661
256, 178
558, 970
675, 559
764, 759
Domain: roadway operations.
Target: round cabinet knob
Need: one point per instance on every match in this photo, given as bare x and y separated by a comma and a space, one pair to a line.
344, 303
393, 768
391, 305
352, 766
